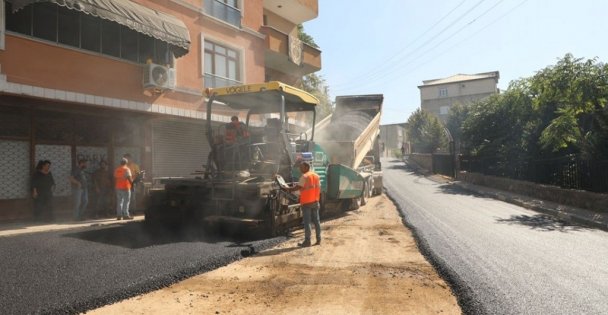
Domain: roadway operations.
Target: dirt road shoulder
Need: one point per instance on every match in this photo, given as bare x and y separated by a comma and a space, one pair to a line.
368, 263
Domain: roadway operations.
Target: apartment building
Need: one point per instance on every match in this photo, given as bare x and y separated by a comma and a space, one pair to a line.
393, 137
96, 79
437, 96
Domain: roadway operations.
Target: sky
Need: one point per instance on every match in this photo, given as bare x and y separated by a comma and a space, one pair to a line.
390, 46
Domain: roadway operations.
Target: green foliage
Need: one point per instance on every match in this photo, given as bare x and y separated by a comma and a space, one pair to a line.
456, 117
560, 110
305, 37
316, 85
573, 94
425, 132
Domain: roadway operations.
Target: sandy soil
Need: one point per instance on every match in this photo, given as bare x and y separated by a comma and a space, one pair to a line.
368, 263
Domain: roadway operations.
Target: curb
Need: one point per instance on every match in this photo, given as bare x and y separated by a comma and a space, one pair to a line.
562, 212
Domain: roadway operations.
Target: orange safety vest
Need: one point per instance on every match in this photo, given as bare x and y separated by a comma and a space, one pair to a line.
234, 131
120, 177
312, 189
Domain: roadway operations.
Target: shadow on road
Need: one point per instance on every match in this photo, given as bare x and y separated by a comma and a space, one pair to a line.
454, 189
135, 235
541, 222
406, 167
278, 251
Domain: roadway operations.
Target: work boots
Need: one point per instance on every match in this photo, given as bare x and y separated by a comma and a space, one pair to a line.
306, 243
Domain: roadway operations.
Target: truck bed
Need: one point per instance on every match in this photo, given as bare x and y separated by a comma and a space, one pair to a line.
348, 134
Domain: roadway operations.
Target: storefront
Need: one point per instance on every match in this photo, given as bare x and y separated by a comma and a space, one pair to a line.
33, 129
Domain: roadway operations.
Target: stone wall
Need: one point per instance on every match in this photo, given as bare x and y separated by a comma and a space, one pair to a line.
576, 198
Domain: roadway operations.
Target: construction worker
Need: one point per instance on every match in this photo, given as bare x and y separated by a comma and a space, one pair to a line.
135, 179
235, 130
122, 179
309, 186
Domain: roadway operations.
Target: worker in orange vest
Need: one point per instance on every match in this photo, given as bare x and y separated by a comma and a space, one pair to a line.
235, 130
123, 183
309, 186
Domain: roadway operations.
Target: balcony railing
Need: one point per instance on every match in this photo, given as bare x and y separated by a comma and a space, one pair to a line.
213, 81
224, 12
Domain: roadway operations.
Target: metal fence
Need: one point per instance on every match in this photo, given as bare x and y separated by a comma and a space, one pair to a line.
443, 164
570, 171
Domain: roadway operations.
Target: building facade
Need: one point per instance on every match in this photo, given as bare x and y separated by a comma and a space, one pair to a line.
393, 137
437, 96
86, 79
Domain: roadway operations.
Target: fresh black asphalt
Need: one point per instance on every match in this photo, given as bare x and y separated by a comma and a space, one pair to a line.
73, 271
500, 258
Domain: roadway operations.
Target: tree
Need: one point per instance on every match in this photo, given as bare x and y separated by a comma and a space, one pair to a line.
456, 118
502, 125
315, 85
305, 37
425, 132
573, 96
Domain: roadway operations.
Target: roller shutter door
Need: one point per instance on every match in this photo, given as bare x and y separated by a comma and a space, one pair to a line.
179, 147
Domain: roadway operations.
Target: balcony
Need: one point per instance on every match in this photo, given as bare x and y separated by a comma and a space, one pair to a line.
213, 81
224, 12
295, 11
288, 56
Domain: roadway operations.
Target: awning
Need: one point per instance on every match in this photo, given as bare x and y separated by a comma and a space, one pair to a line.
156, 24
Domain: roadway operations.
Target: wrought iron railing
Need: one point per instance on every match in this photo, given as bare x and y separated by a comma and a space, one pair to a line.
571, 171
224, 12
213, 81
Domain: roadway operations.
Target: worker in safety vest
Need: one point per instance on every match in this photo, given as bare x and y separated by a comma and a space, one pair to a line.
235, 130
122, 179
309, 186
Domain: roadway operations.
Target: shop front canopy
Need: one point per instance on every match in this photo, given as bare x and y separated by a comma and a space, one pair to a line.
161, 26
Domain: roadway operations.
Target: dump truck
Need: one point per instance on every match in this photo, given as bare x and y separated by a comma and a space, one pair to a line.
347, 152
240, 187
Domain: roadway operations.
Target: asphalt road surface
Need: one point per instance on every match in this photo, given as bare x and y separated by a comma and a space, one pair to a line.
501, 258
77, 270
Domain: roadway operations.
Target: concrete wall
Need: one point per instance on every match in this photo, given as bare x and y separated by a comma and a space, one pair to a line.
576, 198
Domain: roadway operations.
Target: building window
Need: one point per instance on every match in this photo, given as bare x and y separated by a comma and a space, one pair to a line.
443, 92
53, 23
222, 65
225, 10
444, 110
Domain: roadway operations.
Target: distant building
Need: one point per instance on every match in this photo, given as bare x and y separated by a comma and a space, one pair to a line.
437, 96
393, 137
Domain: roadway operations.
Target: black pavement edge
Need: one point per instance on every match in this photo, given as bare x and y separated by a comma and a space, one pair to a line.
156, 283
464, 293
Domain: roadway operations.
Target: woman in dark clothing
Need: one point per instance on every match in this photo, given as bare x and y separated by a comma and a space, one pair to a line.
42, 191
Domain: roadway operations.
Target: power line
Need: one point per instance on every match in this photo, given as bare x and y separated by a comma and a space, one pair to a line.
405, 62
472, 35
400, 51
400, 67
394, 56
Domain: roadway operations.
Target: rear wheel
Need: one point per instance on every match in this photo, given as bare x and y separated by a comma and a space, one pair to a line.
364, 195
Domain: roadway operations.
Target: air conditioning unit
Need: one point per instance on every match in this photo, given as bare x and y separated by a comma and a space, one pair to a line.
159, 77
